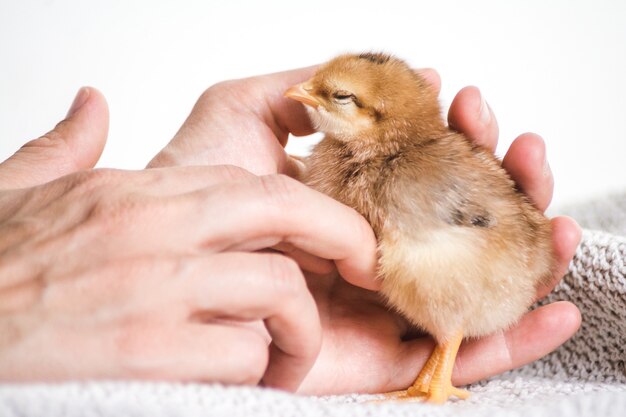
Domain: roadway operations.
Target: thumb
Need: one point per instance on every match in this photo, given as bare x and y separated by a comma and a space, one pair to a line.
75, 143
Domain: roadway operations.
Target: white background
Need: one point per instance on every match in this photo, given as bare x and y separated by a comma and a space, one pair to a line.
554, 67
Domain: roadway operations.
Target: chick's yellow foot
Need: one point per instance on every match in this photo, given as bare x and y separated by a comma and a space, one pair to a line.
435, 380
434, 383
421, 386
440, 394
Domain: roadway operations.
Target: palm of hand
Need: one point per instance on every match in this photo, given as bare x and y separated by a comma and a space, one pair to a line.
363, 341
366, 346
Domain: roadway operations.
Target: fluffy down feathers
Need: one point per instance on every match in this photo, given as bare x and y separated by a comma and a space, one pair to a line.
460, 247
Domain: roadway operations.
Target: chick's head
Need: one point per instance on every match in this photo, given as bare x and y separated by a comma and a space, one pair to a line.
356, 96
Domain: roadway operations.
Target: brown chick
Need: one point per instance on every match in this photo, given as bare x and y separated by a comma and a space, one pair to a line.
461, 251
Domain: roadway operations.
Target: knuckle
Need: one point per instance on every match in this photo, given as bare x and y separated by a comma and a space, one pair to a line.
222, 86
52, 139
51, 144
229, 94
48, 140
218, 91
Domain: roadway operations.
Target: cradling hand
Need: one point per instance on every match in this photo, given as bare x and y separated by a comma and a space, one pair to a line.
161, 273
366, 347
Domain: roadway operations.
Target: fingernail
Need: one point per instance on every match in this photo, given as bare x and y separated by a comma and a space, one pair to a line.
485, 112
79, 100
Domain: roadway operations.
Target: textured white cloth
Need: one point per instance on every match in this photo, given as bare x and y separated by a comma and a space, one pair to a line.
584, 377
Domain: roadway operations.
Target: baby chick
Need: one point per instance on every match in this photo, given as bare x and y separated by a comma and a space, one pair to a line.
461, 251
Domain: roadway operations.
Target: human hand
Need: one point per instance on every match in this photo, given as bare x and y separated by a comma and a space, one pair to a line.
155, 274
367, 348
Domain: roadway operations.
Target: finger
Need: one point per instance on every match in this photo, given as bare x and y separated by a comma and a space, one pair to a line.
305, 260
74, 144
50, 222
527, 164
566, 236
149, 345
86, 186
285, 116
246, 215
538, 333
241, 114
240, 286
471, 115
210, 353
252, 286
158, 182
52, 202
265, 211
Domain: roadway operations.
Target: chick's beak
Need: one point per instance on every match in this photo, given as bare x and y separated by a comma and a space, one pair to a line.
300, 92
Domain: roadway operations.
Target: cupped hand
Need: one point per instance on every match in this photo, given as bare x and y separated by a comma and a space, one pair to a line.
366, 347
158, 274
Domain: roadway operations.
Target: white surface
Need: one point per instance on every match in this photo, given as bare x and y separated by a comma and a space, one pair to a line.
557, 68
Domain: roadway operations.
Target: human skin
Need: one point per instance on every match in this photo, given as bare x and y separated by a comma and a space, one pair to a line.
175, 273
366, 347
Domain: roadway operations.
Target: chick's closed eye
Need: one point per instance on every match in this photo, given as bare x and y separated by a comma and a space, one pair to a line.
344, 97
